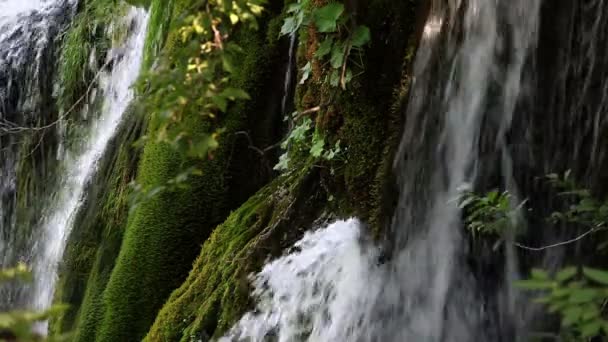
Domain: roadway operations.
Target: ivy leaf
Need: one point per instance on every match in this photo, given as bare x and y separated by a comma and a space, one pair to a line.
596, 275
290, 26
361, 36
326, 17
306, 72
337, 56
324, 47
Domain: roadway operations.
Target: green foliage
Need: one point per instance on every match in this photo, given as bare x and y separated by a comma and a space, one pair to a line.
578, 297
585, 210
301, 138
193, 77
84, 46
341, 42
165, 232
491, 214
20, 323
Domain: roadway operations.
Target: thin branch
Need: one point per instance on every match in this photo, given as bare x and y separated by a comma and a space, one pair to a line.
538, 249
14, 128
308, 111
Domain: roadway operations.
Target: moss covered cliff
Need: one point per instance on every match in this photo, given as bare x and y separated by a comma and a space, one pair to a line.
129, 274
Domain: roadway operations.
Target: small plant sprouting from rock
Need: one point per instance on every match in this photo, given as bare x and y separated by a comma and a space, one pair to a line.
341, 39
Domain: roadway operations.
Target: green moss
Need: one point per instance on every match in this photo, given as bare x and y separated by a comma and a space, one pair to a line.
85, 36
165, 233
367, 119
216, 292
95, 240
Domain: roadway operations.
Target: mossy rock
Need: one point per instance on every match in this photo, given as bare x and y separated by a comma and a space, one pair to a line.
165, 233
367, 119
217, 292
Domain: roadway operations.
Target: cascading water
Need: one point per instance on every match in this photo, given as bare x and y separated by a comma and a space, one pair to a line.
468, 74
28, 34
80, 163
27, 61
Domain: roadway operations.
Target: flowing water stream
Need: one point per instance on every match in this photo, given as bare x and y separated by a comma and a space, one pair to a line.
30, 22
80, 163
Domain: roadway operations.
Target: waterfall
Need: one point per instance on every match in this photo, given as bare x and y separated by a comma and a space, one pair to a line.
28, 32
469, 75
80, 162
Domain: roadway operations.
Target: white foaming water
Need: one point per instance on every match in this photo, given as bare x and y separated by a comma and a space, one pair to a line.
320, 292
81, 162
12, 8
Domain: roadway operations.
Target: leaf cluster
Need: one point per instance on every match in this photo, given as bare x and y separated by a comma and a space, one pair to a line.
578, 296
192, 80
490, 214
341, 41
303, 136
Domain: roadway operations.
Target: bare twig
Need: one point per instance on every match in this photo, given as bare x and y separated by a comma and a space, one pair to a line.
307, 112
538, 249
7, 127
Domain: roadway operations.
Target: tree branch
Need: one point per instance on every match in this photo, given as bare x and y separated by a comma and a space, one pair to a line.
538, 249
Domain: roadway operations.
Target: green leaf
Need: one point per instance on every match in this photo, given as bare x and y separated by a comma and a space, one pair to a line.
220, 102
306, 72
337, 56
227, 63
334, 78
591, 329
596, 275
317, 146
539, 274
290, 26
283, 163
235, 93
583, 296
361, 36
299, 132
324, 47
296, 7
348, 76
565, 274
326, 17
534, 284
572, 314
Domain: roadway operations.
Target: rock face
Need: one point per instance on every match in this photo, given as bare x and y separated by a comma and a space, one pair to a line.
175, 267
120, 267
